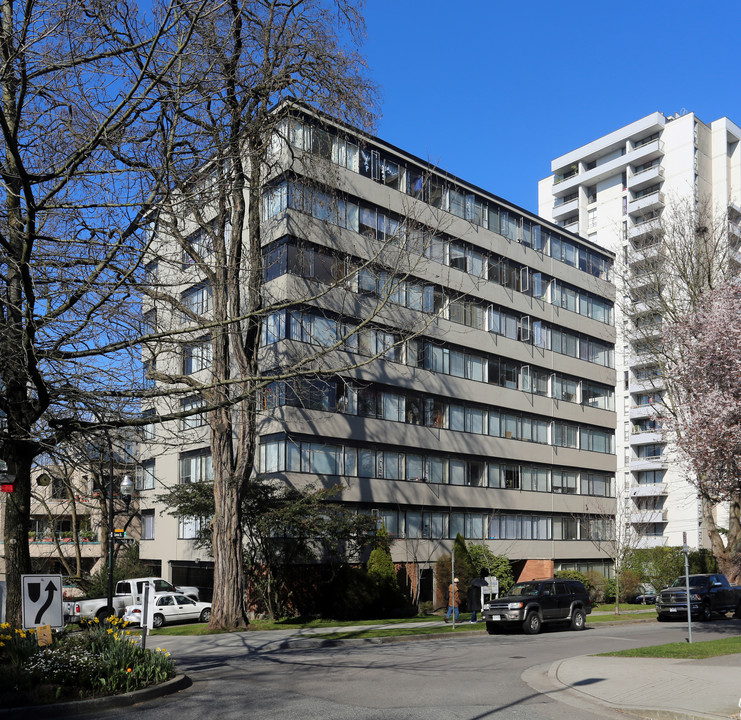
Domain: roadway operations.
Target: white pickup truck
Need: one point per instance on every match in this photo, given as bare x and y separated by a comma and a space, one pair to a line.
127, 592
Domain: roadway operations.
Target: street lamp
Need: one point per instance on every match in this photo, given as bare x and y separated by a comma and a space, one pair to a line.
126, 488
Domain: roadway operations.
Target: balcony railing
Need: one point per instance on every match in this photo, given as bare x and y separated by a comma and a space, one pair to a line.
648, 516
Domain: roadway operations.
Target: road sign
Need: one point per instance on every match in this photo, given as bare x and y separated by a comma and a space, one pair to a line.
42, 601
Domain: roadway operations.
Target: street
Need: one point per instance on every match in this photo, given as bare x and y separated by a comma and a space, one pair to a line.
470, 677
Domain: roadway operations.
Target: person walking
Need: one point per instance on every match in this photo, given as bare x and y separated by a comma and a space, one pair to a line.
453, 601
474, 597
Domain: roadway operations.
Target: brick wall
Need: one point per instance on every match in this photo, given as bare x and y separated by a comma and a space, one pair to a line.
536, 570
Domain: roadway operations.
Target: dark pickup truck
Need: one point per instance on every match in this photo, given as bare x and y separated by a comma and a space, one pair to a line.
532, 603
710, 594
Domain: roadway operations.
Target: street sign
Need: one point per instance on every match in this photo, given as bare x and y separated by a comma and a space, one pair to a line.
42, 601
7, 482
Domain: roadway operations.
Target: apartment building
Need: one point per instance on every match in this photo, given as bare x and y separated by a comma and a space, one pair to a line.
469, 396
69, 510
615, 191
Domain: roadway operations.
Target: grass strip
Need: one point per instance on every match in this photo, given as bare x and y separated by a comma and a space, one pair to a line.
306, 623
684, 650
651, 614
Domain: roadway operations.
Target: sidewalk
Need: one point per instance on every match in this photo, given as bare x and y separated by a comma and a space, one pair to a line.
645, 687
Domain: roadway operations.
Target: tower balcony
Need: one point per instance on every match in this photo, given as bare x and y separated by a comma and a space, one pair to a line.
649, 490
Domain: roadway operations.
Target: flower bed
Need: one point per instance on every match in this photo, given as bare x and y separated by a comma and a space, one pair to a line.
103, 659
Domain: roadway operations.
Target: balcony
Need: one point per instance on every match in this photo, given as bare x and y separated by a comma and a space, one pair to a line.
643, 411
644, 178
646, 517
652, 201
563, 208
649, 490
655, 462
643, 233
646, 437
650, 541
646, 384
644, 153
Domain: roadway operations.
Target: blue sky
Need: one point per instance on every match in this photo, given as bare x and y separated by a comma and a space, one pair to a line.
493, 91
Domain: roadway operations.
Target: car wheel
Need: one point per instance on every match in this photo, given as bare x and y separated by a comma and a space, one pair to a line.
158, 620
492, 628
662, 618
578, 620
706, 614
532, 624
737, 614
205, 615
103, 614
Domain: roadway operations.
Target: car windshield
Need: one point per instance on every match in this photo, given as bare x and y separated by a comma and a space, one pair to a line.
695, 581
162, 586
525, 588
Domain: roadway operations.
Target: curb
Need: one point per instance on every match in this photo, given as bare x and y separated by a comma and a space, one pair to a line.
74, 708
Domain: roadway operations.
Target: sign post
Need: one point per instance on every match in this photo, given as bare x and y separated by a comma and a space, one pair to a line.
42, 601
147, 621
686, 552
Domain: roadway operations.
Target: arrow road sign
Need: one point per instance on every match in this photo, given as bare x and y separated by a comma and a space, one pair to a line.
42, 601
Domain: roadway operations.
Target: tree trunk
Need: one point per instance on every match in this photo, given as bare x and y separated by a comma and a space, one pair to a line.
228, 598
17, 526
725, 552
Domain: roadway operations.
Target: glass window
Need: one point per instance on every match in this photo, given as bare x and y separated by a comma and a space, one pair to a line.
413, 524
147, 525
197, 299
457, 472
145, 475
196, 466
437, 470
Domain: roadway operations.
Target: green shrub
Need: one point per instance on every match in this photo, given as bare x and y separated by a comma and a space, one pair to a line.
426, 607
485, 561
576, 575
382, 573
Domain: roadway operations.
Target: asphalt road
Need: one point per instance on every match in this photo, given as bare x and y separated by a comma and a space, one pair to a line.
470, 677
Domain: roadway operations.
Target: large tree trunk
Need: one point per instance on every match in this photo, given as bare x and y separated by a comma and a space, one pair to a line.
17, 555
228, 598
726, 551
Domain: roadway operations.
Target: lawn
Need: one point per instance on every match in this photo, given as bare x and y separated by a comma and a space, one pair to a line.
684, 650
629, 613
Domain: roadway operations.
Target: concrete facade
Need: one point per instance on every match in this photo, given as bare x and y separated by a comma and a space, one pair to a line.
613, 191
471, 403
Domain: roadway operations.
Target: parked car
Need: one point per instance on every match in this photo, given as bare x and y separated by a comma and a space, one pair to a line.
710, 594
170, 608
530, 604
647, 598
127, 592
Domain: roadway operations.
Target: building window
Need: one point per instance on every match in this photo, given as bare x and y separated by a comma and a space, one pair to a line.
148, 431
196, 466
197, 356
189, 527
192, 421
145, 477
147, 525
197, 300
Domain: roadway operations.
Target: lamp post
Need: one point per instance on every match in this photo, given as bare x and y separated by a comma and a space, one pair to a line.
126, 488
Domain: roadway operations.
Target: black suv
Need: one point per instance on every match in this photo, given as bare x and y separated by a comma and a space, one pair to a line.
532, 603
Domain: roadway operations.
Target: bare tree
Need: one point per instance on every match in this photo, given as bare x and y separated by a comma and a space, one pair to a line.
680, 257
77, 116
612, 533
267, 155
